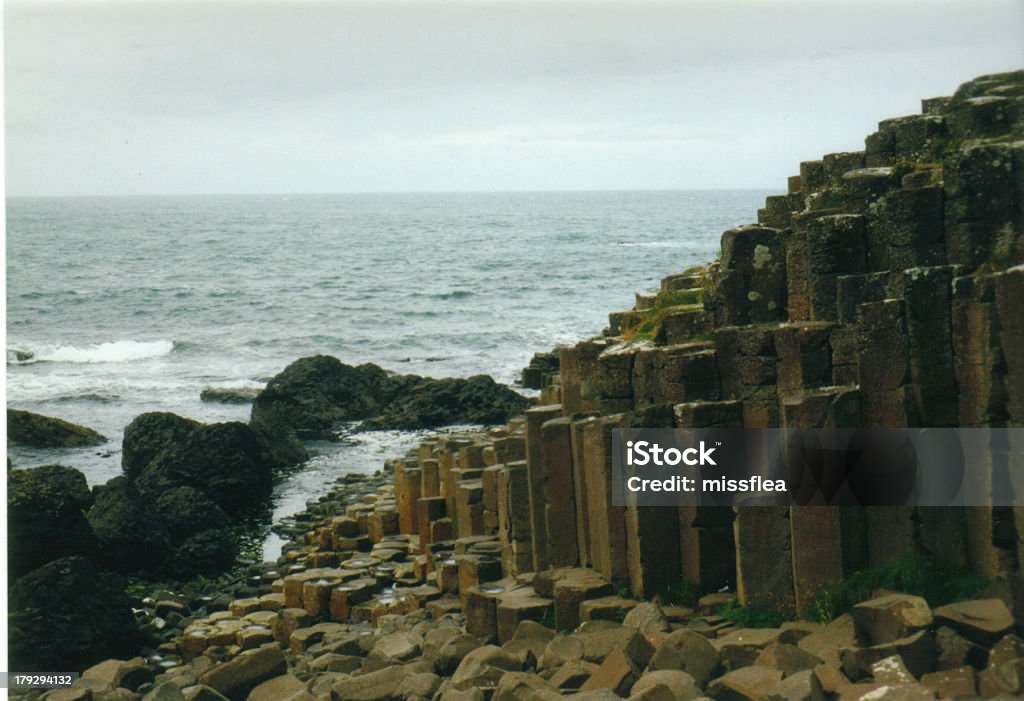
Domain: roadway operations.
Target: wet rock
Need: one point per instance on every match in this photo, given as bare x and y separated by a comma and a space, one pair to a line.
229, 395
475, 400
208, 553
129, 535
69, 614
149, 435
226, 461
313, 396
38, 431
186, 511
45, 516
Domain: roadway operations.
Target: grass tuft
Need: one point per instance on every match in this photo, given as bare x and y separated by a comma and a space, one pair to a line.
934, 581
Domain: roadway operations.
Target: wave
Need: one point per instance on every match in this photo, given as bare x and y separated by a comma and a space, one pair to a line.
112, 352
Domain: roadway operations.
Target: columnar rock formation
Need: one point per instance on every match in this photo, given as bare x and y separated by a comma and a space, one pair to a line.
885, 289
880, 291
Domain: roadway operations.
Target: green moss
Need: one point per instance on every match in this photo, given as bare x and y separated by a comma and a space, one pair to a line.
684, 592
750, 617
834, 198
646, 328
936, 582
903, 168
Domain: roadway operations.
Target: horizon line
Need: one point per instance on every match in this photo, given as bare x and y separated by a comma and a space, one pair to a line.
8, 196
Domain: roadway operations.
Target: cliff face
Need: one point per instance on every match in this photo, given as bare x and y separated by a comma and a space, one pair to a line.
880, 291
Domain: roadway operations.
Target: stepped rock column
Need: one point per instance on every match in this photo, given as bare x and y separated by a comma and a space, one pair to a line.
707, 544
559, 492
764, 549
606, 522
536, 465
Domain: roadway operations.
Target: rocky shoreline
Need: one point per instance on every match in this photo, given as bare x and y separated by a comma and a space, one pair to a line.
352, 612
882, 290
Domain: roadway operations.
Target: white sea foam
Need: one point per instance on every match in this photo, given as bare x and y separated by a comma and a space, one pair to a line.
112, 352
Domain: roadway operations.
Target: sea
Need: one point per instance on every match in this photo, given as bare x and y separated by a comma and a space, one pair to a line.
122, 305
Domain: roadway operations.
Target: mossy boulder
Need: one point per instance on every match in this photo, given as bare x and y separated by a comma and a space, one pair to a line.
432, 403
314, 396
130, 537
68, 615
150, 435
46, 520
38, 431
226, 461
209, 552
186, 511
229, 395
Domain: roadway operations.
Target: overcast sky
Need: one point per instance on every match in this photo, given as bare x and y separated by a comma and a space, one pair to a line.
185, 97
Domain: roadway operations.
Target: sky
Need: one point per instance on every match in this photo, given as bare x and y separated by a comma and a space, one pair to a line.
147, 97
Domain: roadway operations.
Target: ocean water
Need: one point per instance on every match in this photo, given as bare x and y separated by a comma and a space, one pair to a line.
118, 306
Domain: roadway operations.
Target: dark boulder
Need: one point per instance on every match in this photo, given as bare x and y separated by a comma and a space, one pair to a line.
229, 395
476, 400
38, 431
280, 446
210, 552
186, 511
68, 615
226, 461
46, 516
313, 395
149, 435
129, 535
